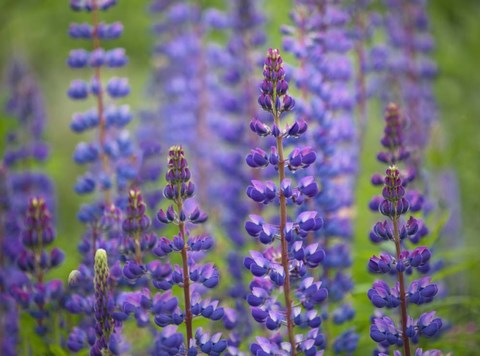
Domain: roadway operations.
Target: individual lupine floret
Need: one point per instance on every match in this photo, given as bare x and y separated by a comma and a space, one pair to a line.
190, 275
283, 269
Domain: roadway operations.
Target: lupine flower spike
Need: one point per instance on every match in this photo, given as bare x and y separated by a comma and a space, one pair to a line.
111, 159
192, 277
285, 267
319, 39
41, 298
112, 154
394, 205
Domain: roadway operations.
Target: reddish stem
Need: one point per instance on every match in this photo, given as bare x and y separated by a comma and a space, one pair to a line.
283, 222
186, 277
401, 282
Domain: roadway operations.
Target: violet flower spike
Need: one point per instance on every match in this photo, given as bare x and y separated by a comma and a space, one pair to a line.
189, 275
394, 204
285, 267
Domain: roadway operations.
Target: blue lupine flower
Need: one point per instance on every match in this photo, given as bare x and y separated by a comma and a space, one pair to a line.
286, 267
35, 260
190, 275
393, 205
110, 160
109, 153
323, 78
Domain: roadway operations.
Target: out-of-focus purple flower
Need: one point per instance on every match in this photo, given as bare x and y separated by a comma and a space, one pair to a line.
112, 154
319, 37
35, 294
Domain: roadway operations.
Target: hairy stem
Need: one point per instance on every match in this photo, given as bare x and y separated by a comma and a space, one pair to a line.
283, 222
138, 248
401, 282
186, 276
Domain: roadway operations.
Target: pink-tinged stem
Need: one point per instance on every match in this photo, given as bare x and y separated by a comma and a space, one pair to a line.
401, 282
283, 222
186, 277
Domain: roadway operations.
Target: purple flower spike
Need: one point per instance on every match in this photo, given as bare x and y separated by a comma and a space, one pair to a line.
257, 158
259, 128
190, 275
393, 204
262, 192
78, 90
285, 263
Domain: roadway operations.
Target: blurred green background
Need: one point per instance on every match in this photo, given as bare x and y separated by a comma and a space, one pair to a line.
37, 30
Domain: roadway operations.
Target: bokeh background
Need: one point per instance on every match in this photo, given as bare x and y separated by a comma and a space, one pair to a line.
37, 31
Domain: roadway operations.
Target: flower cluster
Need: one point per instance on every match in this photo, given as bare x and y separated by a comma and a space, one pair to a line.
112, 164
193, 277
406, 69
23, 257
113, 152
25, 147
236, 64
319, 38
284, 269
40, 297
394, 204
182, 83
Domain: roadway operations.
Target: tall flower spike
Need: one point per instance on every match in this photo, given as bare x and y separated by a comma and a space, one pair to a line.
25, 150
320, 40
394, 204
182, 83
236, 66
191, 276
43, 297
150, 170
112, 155
111, 160
283, 270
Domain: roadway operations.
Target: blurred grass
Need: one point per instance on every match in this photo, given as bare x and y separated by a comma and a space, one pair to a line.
37, 29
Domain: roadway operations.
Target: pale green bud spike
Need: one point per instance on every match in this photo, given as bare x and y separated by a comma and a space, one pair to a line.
101, 269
